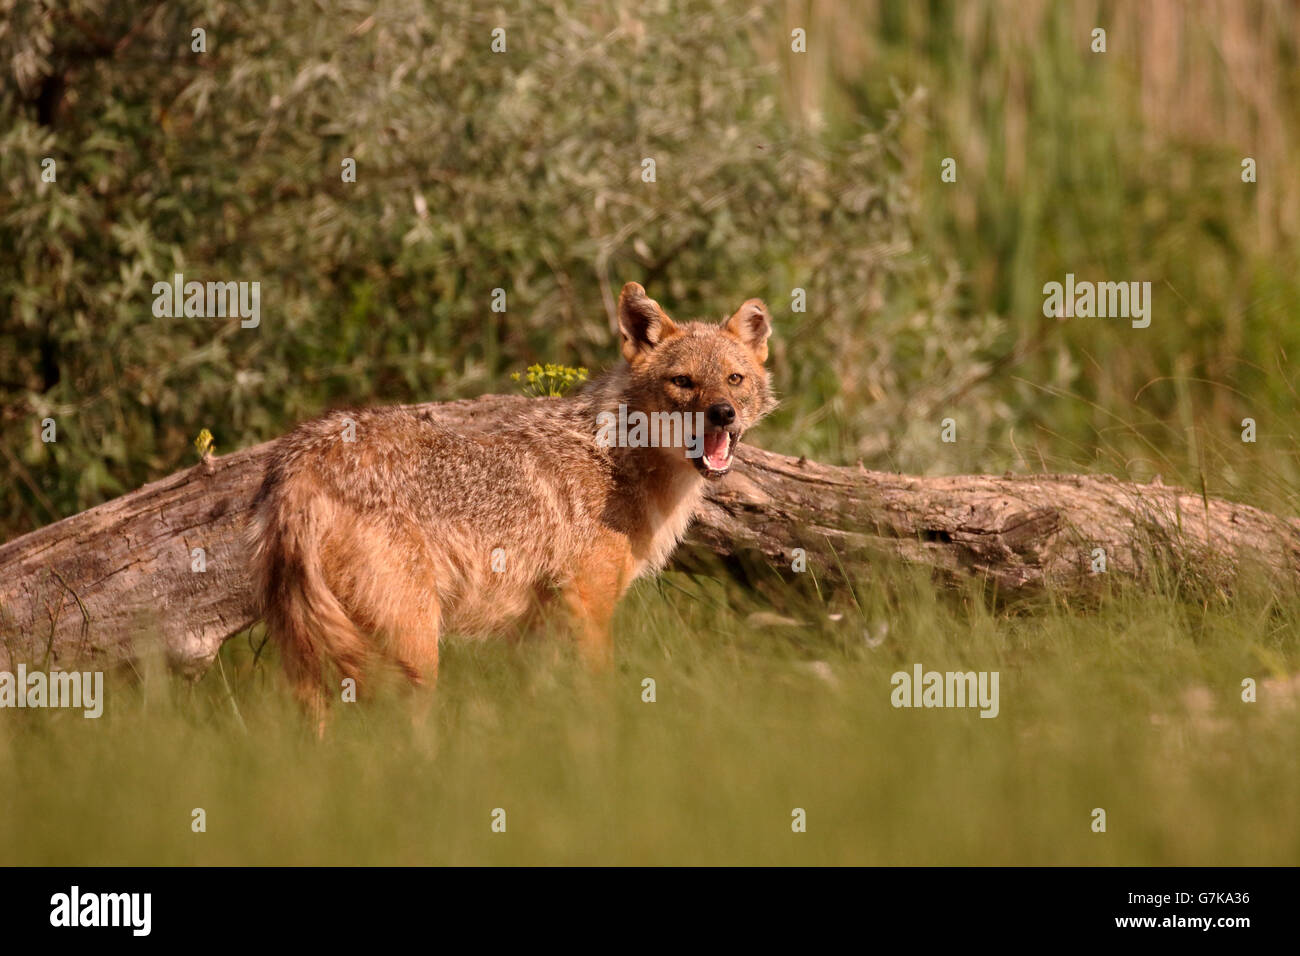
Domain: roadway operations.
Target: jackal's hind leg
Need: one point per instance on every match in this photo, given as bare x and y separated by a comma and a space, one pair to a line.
411, 627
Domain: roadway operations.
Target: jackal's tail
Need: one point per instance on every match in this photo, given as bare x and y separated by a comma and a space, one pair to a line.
310, 626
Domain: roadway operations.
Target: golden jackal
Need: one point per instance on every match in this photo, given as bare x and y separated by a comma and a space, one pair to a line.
375, 530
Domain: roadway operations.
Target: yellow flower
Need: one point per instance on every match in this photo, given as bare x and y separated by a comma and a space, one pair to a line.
550, 379
204, 444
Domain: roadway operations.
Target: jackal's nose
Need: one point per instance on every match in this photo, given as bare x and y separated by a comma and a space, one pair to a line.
721, 414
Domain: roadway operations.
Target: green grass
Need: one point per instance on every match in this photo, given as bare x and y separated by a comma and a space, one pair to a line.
1099, 708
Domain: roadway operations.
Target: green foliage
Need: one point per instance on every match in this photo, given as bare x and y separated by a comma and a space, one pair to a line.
1121, 166
476, 171
521, 172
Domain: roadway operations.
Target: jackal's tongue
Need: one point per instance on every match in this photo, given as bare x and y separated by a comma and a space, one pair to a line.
716, 446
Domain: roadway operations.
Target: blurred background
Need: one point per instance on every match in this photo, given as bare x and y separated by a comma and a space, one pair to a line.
775, 170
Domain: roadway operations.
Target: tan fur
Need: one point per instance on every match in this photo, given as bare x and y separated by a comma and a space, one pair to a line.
366, 551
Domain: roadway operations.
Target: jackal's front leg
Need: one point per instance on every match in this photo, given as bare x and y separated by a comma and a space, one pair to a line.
591, 597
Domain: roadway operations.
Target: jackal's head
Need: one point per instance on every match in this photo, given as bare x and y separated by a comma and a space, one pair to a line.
711, 375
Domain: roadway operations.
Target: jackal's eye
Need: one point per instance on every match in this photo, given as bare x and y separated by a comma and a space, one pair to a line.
735, 378
683, 381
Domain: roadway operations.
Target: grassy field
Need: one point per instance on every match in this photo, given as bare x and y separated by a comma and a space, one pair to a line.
1133, 707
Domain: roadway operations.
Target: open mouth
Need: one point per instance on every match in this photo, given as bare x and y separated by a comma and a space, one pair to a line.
719, 449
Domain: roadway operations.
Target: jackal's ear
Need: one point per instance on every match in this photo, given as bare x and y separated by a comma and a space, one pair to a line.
752, 325
641, 322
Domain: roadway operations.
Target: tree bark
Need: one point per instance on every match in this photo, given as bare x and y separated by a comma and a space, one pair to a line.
102, 587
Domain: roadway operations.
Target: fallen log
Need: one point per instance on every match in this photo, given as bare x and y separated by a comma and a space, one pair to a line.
103, 586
